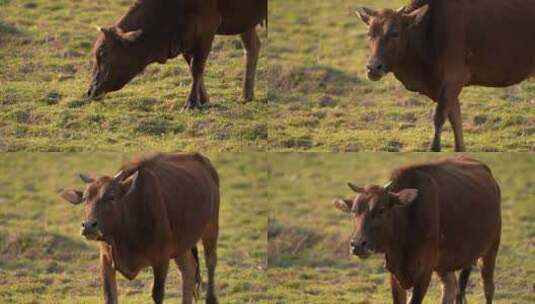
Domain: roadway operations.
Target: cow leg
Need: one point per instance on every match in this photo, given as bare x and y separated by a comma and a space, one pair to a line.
463, 282
209, 241
487, 273
456, 124
252, 44
188, 267
420, 288
399, 295
204, 99
449, 287
108, 278
447, 100
198, 63
158, 286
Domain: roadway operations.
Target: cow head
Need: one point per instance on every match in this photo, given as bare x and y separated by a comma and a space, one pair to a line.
101, 199
371, 210
388, 33
118, 58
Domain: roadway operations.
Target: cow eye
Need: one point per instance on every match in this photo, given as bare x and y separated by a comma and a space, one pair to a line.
381, 211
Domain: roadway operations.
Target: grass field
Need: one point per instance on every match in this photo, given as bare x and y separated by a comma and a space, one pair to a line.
321, 100
44, 71
308, 253
43, 259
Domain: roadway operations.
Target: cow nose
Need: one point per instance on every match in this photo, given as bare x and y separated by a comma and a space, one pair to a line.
358, 244
376, 66
88, 226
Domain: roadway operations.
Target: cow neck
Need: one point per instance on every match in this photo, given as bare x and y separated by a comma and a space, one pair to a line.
156, 19
128, 241
397, 250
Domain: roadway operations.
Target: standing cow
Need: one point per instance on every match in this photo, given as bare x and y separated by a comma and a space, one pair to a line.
439, 216
155, 209
437, 47
157, 30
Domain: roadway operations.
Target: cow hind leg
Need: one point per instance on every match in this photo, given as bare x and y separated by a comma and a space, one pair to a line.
487, 273
158, 286
449, 287
188, 267
252, 44
463, 282
209, 241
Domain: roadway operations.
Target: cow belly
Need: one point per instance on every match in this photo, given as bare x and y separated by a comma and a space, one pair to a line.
468, 234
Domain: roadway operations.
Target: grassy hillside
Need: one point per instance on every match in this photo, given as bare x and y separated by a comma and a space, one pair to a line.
308, 254
43, 259
320, 98
44, 71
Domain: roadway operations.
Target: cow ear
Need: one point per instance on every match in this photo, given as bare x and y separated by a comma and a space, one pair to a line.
131, 36
343, 205
129, 184
365, 14
405, 197
74, 197
415, 17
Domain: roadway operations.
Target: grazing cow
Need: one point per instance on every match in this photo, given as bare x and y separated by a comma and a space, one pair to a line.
157, 30
437, 47
439, 216
155, 209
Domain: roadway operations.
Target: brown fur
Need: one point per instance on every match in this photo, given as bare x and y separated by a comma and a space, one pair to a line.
454, 221
160, 215
456, 44
157, 30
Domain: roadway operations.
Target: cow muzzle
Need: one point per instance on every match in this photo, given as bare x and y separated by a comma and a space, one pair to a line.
91, 231
95, 92
376, 70
359, 248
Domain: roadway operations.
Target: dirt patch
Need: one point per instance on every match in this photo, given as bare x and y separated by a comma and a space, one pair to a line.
15, 245
284, 240
310, 79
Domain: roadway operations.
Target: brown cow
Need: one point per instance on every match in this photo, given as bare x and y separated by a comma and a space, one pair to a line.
437, 47
438, 216
157, 30
155, 209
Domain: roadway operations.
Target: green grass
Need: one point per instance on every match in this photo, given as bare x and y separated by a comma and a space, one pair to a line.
43, 259
321, 100
44, 71
308, 253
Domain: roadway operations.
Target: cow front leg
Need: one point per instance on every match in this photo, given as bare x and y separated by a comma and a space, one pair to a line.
252, 45
420, 287
158, 286
198, 64
399, 295
204, 99
447, 102
188, 267
449, 287
456, 124
108, 277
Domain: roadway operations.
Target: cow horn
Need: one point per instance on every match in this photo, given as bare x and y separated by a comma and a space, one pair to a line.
120, 175
387, 185
401, 9
355, 187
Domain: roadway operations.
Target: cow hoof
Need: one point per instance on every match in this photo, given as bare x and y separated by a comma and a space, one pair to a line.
188, 106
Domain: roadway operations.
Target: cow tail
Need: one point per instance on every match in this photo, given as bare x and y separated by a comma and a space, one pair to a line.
198, 280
